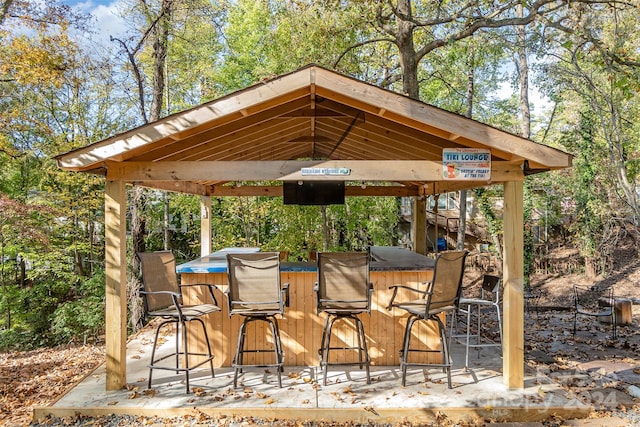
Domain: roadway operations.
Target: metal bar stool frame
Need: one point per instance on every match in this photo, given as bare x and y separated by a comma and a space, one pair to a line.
441, 296
472, 309
162, 297
255, 293
586, 304
343, 291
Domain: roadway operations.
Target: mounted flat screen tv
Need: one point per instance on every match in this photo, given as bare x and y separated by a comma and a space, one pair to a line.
313, 192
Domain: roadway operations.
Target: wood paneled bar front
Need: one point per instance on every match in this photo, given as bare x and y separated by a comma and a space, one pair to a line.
301, 327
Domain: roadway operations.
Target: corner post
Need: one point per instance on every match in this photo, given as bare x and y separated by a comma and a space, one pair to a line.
115, 203
513, 279
205, 225
419, 225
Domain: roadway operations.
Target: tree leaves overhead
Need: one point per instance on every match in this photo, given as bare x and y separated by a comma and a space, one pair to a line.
57, 94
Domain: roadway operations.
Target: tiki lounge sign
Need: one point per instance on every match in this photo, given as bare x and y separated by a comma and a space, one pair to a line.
469, 164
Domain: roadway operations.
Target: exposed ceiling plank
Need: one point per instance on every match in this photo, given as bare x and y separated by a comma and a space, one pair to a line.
381, 144
310, 138
207, 139
296, 84
312, 112
250, 141
383, 126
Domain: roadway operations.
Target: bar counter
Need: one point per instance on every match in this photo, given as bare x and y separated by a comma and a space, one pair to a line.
301, 326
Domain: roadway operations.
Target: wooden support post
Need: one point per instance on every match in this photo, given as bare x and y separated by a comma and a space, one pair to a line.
205, 225
115, 203
436, 199
419, 225
513, 279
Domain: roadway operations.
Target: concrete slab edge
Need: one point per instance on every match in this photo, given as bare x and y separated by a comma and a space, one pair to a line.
361, 415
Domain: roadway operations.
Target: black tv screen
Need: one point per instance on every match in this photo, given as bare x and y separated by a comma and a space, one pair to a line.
313, 192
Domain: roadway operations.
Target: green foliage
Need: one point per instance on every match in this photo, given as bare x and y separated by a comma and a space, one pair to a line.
59, 95
84, 316
587, 195
485, 197
595, 70
529, 251
267, 223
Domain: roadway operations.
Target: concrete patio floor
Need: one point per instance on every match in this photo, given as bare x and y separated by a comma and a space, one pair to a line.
346, 397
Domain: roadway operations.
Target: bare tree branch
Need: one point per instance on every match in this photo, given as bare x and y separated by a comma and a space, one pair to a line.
357, 45
131, 54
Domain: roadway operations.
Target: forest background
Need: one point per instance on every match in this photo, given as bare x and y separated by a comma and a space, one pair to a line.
65, 83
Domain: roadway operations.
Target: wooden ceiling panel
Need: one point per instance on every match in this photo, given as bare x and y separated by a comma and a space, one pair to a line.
381, 144
384, 145
260, 137
408, 141
205, 139
412, 141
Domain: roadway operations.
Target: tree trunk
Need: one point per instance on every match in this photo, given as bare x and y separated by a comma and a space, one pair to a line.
5, 291
407, 51
4, 10
523, 75
325, 228
160, 47
462, 196
138, 233
160, 31
165, 225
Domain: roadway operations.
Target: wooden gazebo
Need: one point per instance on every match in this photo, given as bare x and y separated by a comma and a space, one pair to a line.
314, 124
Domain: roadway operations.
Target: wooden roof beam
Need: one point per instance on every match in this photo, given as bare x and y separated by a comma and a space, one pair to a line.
175, 186
350, 190
359, 170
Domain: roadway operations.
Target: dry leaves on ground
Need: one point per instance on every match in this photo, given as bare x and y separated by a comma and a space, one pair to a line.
37, 378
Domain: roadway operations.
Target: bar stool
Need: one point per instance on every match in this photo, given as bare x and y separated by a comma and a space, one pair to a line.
255, 293
472, 308
162, 297
439, 297
343, 291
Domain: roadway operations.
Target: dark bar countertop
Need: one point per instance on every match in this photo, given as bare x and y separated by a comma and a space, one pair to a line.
383, 258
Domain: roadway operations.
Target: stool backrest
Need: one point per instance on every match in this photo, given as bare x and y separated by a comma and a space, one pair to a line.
491, 285
343, 281
254, 281
158, 273
447, 279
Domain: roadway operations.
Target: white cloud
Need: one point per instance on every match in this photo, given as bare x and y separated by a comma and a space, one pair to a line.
106, 19
109, 23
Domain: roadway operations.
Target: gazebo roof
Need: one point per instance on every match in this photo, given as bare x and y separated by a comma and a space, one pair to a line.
312, 117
